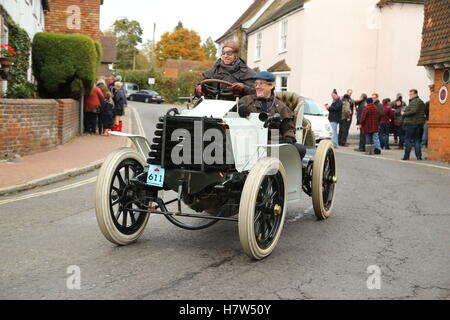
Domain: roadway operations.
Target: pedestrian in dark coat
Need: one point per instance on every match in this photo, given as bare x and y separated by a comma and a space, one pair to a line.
361, 103
120, 102
414, 119
230, 67
385, 124
370, 125
107, 114
334, 116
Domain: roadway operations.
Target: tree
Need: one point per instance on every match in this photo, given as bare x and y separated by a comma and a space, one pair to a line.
142, 61
148, 51
210, 50
128, 35
180, 44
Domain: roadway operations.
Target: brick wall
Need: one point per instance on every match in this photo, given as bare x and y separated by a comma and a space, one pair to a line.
439, 124
68, 120
83, 17
31, 126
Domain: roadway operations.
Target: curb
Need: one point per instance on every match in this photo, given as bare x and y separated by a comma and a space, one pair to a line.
41, 182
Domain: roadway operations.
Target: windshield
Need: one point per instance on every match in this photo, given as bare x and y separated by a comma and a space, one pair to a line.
312, 108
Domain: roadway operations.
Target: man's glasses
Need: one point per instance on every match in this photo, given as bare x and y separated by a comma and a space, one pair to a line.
261, 84
228, 52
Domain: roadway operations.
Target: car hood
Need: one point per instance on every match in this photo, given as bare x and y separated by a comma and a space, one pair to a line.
318, 122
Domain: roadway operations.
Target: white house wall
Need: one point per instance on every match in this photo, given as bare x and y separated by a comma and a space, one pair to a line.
29, 14
343, 44
399, 51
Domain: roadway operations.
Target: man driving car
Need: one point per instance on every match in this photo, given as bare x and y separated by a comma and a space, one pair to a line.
231, 68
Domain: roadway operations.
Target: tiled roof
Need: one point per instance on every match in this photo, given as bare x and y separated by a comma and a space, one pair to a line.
109, 44
252, 10
279, 67
385, 2
277, 10
436, 33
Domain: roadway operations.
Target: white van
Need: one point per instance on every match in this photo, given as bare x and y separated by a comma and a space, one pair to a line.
130, 88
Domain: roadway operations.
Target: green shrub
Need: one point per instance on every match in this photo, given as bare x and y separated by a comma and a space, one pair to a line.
22, 90
18, 85
65, 65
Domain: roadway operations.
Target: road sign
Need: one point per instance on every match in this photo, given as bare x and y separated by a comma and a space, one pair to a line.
151, 81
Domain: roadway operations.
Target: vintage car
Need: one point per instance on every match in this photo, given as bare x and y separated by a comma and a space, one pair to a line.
220, 166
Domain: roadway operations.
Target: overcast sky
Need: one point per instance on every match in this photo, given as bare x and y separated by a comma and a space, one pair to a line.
207, 17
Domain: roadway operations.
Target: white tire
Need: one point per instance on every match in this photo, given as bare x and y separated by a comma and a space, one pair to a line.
324, 180
108, 192
267, 174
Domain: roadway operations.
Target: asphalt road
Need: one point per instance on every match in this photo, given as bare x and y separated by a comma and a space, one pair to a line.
390, 218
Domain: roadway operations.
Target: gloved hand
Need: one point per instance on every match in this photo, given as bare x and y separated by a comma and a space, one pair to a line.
198, 91
243, 111
237, 88
274, 124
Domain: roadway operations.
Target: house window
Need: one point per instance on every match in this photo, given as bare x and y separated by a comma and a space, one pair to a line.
258, 46
282, 82
283, 36
3, 31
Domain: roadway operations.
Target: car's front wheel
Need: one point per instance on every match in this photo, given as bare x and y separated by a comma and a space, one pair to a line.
262, 208
116, 198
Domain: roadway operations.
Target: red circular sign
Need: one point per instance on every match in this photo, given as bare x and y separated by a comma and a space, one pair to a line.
443, 95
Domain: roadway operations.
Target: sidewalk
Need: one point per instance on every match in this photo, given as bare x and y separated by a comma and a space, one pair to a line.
80, 155
394, 154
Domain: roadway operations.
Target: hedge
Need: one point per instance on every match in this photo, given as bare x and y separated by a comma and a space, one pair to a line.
65, 65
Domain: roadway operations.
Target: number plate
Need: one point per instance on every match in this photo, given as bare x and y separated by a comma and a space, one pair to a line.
155, 176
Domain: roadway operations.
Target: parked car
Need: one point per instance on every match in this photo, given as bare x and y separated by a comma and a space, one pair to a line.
147, 96
319, 120
130, 88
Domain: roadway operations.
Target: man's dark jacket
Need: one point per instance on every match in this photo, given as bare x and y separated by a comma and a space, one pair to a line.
253, 105
238, 72
335, 111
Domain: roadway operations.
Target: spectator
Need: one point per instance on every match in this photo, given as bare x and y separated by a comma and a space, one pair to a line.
334, 116
385, 125
370, 125
120, 103
92, 109
425, 126
414, 119
101, 84
346, 120
107, 114
361, 103
398, 119
377, 103
397, 116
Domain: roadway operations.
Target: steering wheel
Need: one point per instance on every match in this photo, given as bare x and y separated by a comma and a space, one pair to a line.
214, 87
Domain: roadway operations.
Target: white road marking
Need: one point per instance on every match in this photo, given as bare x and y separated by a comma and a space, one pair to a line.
43, 193
395, 160
139, 122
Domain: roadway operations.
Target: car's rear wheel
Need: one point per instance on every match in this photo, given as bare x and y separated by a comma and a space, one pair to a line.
324, 180
262, 208
147, 100
115, 197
